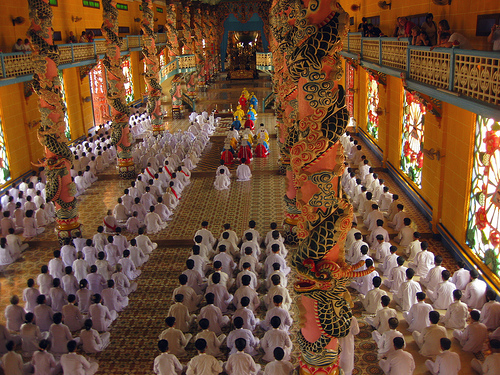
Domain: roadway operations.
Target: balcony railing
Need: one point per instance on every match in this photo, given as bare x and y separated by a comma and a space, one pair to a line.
264, 61
179, 64
19, 64
473, 74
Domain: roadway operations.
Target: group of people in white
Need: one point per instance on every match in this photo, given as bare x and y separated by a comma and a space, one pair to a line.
438, 307
166, 162
72, 302
203, 307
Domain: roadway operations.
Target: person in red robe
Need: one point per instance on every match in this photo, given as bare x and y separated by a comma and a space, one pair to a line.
249, 123
261, 151
243, 102
245, 152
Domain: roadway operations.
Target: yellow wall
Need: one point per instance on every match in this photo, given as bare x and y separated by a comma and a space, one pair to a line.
445, 182
461, 15
62, 19
137, 75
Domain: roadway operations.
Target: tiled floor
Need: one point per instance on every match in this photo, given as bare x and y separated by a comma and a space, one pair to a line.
134, 334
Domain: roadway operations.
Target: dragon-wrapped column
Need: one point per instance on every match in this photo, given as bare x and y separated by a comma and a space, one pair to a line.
120, 112
58, 157
151, 76
310, 41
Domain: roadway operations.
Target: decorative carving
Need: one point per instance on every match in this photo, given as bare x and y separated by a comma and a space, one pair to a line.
58, 157
151, 75
308, 36
120, 112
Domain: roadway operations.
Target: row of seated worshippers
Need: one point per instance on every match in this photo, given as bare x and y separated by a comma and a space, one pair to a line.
239, 143
463, 296
80, 293
204, 308
151, 199
140, 123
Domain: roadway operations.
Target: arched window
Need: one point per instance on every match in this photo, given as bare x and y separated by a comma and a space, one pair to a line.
67, 130
4, 159
412, 137
98, 90
483, 227
373, 102
129, 85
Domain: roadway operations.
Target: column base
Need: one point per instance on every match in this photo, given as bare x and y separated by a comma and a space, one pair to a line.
67, 229
126, 172
307, 369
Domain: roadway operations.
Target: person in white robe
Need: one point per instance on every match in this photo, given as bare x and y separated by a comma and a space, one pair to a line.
92, 341
120, 212
461, 277
222, 180
346, 360
240, 332
73, 363
491, 364
31, 228
413, 248
203, 363
380, 321
434, 277
384, 341
405, 235
474, 336
241, 363
166, 363
424, 261
274, 338
442, 298
214, 315
418, 315
490, 313
446, 363
475, 291
100, 314
407, 295
243, 172
457, 312
371, 302
398, 361
248, 316
190, 299
428, 340
397, 276
153, 222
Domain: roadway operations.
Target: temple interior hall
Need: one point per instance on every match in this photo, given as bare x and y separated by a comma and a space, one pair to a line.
427, 118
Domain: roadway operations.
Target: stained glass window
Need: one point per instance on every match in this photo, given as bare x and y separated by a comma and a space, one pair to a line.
373, 101
4, 159
98, 90
483, 228
412, 137
67, 131
349, 85
129, 86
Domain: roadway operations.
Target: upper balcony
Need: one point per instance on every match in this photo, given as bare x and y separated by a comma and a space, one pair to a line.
467, 78
17, 67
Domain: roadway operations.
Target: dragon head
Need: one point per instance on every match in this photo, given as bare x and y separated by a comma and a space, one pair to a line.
326, 275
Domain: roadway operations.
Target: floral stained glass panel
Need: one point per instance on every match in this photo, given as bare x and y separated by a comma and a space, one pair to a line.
483, 226
412, 137
4, 160
129, 86
373, 102
67, 130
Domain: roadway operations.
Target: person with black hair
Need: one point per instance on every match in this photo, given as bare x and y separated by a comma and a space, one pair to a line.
166, 363
180, 312
418, 315
176, 339
213, 341
398, 361
12, 362
241, 362
278, 366
475, 291
434, 277
195, 280
274, 338
76, 364
429, 339
191, 299
447, 362
371, 302
248, 316
203, 363
472, 338
213, 314
42, 361
407, 294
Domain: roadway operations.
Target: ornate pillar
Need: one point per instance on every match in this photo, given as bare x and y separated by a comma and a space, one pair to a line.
307, 33
58, 158
151, 75
171, 29
120, 111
